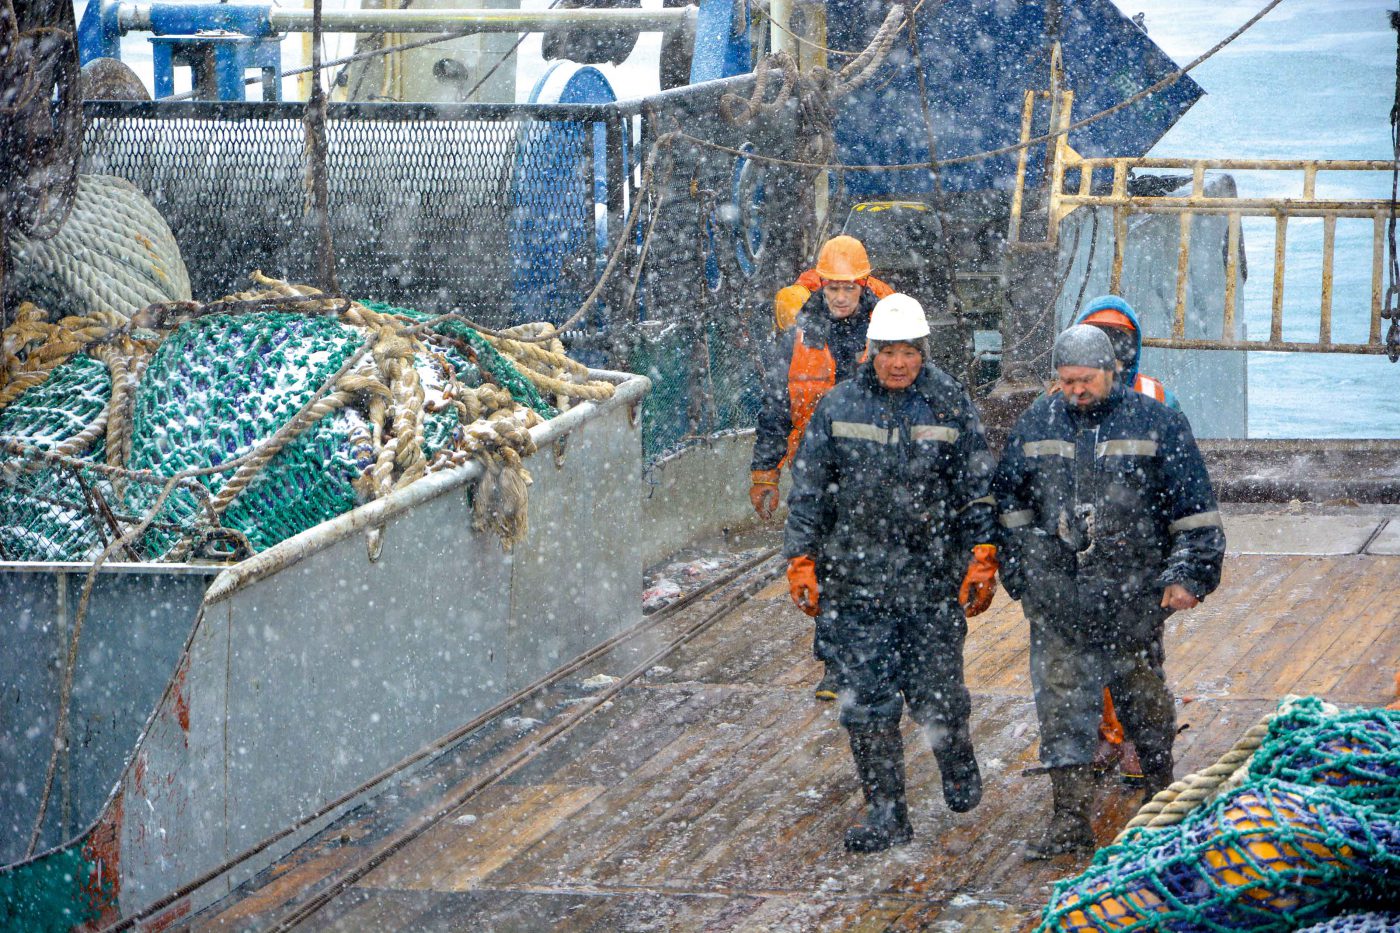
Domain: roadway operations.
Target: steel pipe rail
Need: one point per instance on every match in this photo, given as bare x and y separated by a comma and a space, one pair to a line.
261, 20
1065, 197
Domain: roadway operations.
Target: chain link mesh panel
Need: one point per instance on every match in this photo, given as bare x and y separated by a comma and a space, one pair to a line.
505, 213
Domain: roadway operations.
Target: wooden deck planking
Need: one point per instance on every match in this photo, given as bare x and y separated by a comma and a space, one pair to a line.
714, 796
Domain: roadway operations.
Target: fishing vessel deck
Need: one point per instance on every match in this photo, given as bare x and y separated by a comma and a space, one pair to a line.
706, 789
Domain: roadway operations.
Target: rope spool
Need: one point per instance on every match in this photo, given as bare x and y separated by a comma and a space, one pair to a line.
114, 255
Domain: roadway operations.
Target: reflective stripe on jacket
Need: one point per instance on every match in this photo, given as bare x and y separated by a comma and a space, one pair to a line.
890, 489
1101, 508
1151, 388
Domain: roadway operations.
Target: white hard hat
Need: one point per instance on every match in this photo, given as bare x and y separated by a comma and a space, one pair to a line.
897, 318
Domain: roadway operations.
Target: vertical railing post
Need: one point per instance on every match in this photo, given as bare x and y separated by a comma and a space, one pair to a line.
1280, 257
1183, 269
1232, 274
1377, 277
1329, 244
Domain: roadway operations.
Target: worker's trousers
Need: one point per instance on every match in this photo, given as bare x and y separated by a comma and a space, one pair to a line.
888, 654
1068, 675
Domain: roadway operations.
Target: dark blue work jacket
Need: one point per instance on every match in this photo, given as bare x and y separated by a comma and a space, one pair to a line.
891, 488
1102, 509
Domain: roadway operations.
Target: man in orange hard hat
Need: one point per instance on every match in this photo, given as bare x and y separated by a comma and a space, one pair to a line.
822, 346
842, 259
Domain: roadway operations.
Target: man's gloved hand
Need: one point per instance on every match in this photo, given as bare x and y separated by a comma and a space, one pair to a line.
802, 583
980, 582
763, 492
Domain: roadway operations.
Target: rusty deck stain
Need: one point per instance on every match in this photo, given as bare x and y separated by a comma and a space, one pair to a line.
712, 793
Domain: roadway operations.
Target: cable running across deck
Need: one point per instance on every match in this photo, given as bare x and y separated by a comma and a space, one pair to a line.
650, 621
759, 575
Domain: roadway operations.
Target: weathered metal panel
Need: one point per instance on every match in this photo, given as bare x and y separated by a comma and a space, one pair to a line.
314, 667
137, 621
576, 580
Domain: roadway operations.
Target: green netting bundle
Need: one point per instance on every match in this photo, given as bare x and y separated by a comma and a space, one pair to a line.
1358, 923
1269, 856
216, 388
44, 513
220, 385
1354, 753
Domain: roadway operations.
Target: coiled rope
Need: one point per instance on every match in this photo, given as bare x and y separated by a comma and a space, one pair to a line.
1176, 802
115, 254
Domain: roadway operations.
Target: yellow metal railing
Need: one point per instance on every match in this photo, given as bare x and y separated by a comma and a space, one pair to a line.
1060, 203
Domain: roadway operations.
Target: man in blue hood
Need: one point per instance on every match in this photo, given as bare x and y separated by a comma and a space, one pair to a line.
1116, 318
1119, 322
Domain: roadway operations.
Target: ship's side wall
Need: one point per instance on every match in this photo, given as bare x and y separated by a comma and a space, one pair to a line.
137, 620
696, 494
314, 666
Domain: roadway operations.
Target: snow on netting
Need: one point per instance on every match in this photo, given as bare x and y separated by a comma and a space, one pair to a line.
215, 387
1313, 831
1358, 923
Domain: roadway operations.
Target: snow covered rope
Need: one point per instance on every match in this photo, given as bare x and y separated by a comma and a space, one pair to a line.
114, 254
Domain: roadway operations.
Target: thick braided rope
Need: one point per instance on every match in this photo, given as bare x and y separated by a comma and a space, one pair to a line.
858, 72
81, 442
115, 253
33, 347
273, 446
1172, 805
535, 361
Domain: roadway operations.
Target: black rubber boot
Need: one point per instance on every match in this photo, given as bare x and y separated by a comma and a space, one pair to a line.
879, 758
826, 688
1069, 830
962, 781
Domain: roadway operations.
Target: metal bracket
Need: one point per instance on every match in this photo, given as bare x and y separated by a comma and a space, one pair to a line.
561, 448
634, 413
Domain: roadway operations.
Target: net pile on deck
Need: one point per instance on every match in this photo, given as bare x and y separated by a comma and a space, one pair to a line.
98, 412
1312, 831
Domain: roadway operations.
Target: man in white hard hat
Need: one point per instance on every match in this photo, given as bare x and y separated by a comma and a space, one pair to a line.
889, 511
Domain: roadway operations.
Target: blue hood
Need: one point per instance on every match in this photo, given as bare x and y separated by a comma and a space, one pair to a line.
1113, 302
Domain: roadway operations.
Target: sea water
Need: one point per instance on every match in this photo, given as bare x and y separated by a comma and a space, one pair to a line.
1314, 79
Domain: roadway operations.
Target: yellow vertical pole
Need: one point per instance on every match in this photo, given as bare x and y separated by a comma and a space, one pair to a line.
1018, 192
304, 80
1329, 243
1232, 275
1183, 268
1120, 241
1280, 255
1377, 276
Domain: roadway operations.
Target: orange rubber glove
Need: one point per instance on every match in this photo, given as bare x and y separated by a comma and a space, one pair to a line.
763, 492
802, 583
980, 582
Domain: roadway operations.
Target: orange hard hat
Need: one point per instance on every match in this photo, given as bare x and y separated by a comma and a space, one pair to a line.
1110, 317
843, 259
787, 303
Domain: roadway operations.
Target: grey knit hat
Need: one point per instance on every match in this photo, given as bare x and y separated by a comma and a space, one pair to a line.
1084, 345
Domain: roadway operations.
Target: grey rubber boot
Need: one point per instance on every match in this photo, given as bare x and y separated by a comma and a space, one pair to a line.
1069, 830
1156, 773
957, 763
879, 758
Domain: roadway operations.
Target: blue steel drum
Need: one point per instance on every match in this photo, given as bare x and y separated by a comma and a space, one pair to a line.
559, 192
